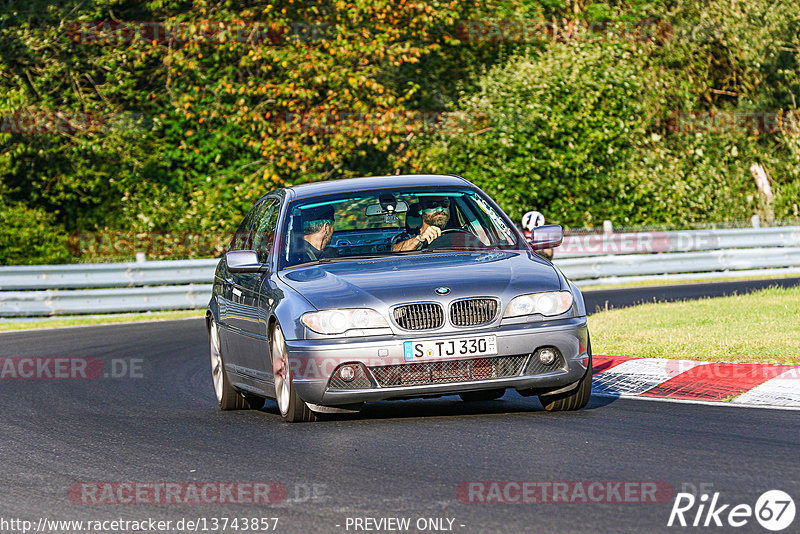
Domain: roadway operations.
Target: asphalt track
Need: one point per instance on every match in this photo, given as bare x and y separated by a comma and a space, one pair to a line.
395, 459
618, 298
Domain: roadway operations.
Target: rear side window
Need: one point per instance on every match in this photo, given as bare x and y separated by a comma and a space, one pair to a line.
263, 234
240, 237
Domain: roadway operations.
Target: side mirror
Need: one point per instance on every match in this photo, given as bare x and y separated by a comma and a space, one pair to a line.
243, 261
547, 236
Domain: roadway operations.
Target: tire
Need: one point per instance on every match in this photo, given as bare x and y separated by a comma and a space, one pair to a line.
574, 399
485, 395
290, 405
227, 396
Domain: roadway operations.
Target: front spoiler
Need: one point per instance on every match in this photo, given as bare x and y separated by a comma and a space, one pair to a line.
570, 336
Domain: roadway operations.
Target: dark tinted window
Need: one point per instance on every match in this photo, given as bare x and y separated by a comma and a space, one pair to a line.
264, 228
240, 237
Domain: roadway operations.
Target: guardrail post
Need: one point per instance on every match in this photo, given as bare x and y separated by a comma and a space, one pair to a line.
756, 220
608, 227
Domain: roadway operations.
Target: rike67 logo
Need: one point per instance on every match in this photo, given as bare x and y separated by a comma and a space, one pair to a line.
774, 510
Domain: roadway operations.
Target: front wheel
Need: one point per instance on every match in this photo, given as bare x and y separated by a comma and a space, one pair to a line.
291, 406
574, 399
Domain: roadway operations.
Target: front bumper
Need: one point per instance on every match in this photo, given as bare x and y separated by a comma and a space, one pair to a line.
313, 362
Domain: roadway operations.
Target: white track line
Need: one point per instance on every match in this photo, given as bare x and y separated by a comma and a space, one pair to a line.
688, 401
783, 390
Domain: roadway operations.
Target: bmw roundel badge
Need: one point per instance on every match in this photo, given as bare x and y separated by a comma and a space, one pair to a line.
442, 290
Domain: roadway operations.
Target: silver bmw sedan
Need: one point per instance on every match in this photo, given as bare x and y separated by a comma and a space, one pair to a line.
337, 293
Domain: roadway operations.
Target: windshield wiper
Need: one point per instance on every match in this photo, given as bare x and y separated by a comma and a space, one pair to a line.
429, 251
406, 252
451, 249
337, 259
323, 261
356, 257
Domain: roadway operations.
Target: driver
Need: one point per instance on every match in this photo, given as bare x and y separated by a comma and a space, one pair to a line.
435, 212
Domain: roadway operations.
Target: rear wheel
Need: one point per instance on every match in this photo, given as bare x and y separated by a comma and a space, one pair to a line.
486, 395
227, 397
574, 399
291, 406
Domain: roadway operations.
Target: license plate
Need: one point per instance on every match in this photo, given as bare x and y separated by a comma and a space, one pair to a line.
465, 346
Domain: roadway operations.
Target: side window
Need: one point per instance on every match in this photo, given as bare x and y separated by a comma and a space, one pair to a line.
264, 228
239, 240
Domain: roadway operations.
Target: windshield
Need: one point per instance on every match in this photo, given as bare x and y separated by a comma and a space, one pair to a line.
392, 222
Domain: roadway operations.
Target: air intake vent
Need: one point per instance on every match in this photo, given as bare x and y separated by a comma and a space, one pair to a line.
425, 316
473, 312
429, 373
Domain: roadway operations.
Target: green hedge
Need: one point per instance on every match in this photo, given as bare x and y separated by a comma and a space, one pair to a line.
185, 136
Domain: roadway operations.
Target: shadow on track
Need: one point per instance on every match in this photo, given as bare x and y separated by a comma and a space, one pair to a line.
512, 403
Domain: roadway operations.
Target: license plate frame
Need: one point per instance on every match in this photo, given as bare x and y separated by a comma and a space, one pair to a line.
470, 346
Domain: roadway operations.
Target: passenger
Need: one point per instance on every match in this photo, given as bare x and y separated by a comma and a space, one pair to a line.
317, 233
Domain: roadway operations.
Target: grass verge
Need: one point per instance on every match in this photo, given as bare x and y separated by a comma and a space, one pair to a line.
6, 326
658, 283
759, 327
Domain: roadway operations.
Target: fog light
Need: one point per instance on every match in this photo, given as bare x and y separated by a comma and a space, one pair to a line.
347, 373
547, 356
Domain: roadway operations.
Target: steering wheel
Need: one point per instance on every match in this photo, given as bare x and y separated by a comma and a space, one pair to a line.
450, 237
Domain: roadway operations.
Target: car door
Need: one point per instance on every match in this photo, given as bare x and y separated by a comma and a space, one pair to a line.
230, 297
256, 309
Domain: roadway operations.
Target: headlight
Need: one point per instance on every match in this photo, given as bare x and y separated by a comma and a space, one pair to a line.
549, 303
340, 321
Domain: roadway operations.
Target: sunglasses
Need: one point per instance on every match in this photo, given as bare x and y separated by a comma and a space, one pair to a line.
435, 204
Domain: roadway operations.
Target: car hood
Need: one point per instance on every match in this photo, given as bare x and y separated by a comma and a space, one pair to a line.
383, 282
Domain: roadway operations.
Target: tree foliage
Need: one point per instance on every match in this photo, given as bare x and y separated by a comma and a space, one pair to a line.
660, 126
171, 116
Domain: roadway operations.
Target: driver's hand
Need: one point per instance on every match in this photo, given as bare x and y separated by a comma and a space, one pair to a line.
430, 233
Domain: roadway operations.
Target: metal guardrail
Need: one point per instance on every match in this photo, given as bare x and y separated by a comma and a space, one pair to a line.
679, 262
613, 259
135, 299
677, 241
37, 290
185, 284
88, 275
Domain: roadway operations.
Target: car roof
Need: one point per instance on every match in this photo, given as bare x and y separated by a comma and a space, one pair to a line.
332, 187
